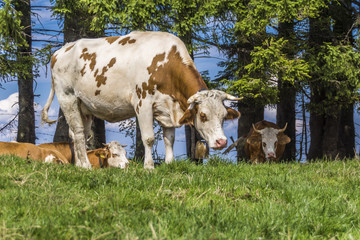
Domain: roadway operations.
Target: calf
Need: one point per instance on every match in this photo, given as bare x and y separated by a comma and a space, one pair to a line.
265, 142
31, 151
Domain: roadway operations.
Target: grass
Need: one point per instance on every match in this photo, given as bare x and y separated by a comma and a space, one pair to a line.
221, 200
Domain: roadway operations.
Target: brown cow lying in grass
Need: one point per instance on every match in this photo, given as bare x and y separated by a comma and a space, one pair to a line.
112, 155
31, 151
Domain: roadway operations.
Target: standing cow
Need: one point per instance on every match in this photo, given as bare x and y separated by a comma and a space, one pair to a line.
265, 142
145, 74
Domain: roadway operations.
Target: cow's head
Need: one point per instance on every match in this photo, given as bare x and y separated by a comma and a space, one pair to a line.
207, 112
115, 155
269, 138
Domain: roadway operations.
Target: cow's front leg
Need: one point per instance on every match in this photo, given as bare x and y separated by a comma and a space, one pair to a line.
76, 131
169, 137
145, 119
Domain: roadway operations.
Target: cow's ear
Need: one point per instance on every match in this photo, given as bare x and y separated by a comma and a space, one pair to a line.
188, 117
253, 140
283, 139
232, 114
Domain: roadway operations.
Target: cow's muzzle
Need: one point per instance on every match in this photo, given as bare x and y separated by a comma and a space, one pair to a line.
271, 156
220, 144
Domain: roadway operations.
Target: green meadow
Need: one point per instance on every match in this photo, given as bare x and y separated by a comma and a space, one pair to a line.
219, 200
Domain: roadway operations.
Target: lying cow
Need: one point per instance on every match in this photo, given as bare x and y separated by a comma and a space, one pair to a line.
112, 155
265, 142
149, 75
66, 149
31, 151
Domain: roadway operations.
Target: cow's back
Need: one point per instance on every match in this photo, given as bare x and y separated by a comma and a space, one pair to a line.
61, 147
113, 76
22, 150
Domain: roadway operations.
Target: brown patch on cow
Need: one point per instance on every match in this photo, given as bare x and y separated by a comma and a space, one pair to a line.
127, 40
83, 70
101, 79
53, 61
96, 72
68, 49
111, 40
174, 78
203, 117
138, 91
89, 57
140, 103
158, 58
137, 109
112, 62
97, 92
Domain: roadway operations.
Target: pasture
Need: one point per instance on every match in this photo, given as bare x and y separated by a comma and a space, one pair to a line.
220, 200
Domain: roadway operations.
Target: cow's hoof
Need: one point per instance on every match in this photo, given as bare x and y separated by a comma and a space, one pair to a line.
150, 167
84, 165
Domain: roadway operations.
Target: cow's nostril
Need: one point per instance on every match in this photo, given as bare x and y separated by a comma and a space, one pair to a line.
221, 142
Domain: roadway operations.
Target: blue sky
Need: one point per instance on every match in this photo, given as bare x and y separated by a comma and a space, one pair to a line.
44, 133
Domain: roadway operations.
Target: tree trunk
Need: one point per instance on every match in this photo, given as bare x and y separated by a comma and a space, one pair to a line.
346, 141
343, 23
331, 134
98, 129
285, 111
316, 125
251, 113
26, 120
62, 129
322, 124
139, 147
191, 136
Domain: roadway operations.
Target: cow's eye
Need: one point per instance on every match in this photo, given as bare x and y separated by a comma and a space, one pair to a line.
203, 117
264, 144
276, 144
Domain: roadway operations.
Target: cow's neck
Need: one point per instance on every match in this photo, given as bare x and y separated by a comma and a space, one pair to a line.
177, 78
192, 84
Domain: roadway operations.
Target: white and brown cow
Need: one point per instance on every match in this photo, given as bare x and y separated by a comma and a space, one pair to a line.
145, 74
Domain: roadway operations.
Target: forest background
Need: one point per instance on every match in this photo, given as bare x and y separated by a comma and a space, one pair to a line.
298, 57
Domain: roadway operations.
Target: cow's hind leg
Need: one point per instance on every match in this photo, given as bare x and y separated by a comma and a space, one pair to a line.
169, 138
147, 134
71, 110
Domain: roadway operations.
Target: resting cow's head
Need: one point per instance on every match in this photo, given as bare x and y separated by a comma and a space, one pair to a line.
270, 139
116, 155
207, 112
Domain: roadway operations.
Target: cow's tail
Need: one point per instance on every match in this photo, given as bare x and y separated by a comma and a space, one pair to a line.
44, 112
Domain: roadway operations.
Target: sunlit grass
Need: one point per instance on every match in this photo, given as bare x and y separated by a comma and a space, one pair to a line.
219, 200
